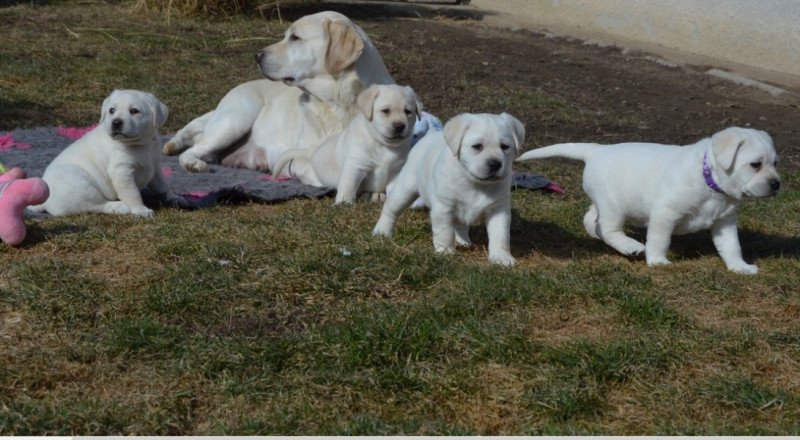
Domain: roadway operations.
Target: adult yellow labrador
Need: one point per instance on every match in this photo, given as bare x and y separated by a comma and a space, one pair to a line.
314, 77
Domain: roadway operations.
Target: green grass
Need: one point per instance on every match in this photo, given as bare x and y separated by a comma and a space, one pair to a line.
249, 319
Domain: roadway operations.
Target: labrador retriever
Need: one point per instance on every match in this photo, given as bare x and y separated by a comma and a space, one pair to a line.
314, 76
368, 153
105, 170
673, 190
463, 174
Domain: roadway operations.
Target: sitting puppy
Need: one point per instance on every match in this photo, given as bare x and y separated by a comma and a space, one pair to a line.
368, 153
463, 174
671, 189
105, 170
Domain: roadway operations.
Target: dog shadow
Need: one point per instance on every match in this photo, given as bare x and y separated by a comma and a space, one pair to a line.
755, 245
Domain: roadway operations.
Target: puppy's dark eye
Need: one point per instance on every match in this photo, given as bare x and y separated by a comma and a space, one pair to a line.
111, 111
385, 111
504, 147
134, 111
408, 112
756, 165
477, 147
294, 37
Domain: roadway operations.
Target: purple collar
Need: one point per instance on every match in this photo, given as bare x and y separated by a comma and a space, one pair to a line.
709, 178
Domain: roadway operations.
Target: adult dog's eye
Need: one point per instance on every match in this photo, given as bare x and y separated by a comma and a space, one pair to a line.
134, 111
477, 147
756, 165
111, 111
293, 37
385, 111
504, 147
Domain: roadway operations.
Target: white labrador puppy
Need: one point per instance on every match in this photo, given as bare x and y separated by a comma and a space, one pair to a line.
463, 174
314, 76
368, 153
672, 189
105, 170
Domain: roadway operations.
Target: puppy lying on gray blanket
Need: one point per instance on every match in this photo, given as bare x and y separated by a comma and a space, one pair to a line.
671, 189
105, 170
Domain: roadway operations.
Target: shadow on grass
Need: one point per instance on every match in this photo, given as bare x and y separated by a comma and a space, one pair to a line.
20, 114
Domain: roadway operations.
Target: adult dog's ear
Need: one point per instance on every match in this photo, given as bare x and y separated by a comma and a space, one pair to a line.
517, 131
454, 131
160, 111
724, 145
105, 107
366, 101
344, 46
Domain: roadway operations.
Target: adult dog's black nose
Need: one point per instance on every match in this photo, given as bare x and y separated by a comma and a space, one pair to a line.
775, 184
494, 165
116, 123
399, 127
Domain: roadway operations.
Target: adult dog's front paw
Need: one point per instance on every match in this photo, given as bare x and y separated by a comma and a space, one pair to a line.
192, 164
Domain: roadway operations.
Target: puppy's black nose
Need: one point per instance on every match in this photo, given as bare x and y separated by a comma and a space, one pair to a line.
494, 165
259, 56
399, 127
116, 123
775, 184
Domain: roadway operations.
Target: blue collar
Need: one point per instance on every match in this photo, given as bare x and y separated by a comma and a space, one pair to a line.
709, 178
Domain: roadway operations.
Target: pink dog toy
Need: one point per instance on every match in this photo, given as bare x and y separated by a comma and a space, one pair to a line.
16, 193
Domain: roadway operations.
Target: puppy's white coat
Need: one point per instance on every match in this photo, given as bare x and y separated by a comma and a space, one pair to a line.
105, 170
463, 174
314, 76
368, 153
663, 187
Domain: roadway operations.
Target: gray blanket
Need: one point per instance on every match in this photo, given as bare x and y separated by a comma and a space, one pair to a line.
33, 149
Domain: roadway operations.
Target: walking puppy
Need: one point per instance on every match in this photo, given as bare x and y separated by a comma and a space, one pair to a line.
463, 174
671, 189
368, 153
105, 170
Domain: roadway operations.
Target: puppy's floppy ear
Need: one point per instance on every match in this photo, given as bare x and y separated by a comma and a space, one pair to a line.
104, 107
517, 131
344, 45
160, 111
417, 103
366, 101
724, 145
454, 131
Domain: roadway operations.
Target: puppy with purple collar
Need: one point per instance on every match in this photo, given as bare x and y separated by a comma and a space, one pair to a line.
673, 189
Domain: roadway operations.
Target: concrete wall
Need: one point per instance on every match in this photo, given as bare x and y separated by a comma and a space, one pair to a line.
763, 34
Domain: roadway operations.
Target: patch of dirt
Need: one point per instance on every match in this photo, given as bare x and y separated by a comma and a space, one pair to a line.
564, 89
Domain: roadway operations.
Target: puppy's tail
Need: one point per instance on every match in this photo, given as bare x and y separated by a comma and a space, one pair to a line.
569, 151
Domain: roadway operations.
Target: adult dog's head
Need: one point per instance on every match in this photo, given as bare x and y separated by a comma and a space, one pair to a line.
744, 162
324, 43
391, 111
485, 144
132, 117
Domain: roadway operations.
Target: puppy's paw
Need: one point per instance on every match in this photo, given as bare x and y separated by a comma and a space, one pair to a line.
343, 201
377, 197
744, 269
192, 164
463, 241
382, 229
658, 261
143, 212
505, 260
633, 249
449, 250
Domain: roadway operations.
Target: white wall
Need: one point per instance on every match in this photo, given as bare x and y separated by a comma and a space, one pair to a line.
764, 34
